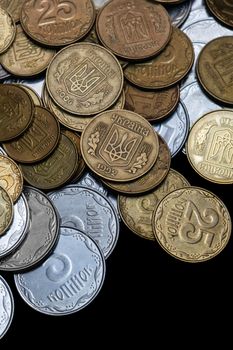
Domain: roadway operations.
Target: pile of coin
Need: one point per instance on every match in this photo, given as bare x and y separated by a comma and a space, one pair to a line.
117, 79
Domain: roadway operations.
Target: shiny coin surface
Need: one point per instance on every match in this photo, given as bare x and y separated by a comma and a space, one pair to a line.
65, 290
57, 23
191, 77
6, 211
192, 224
6, 307
41, 236
84, 79
100, 3
7, 30
38, 141
222, 9
13, 7
179, 13
89, 211
3, 73
119, 145
133, 30
18, 228
35, 83
2, 152
11, 178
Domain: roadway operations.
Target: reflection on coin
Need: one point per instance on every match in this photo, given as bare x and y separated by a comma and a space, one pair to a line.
3, 74
11, 178
2, 152
222, 9
18, 229
6, 211
67, 290
7, 30
6, 307
119, 145
191, 77
192, 224
89, 211
179, 13
34, 96
100, 3
13, 7
41, 236
36, 83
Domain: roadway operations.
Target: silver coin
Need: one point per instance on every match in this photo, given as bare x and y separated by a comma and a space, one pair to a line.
69, 279
18, 229
6, 307
2, 151
196, 14
36, 83
100, 3
179, 13
41, 236
88, 210
3, 73
192, 76
174, 129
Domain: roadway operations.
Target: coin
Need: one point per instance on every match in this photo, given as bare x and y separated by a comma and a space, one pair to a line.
192, 224
7, 30
45, 95
38, 141
11, 178
6, 211
222, 9
34, 96
41, 236
179, 13
100, 3
57, 23
3, 74
13, 7
133, 30
6, 307
192, 76
152, 105
67, 290
2, 152
35, 83
56, 169
119, 145
166, 69
24, 57
16, 111
214, 67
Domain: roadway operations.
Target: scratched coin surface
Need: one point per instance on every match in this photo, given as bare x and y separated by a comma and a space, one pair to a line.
222, 9
38, 141
13, 7
57, 23
6, 307
119, 145
11, 178
41, 236
7, 30
70, 278
6, 211
89, 211
192, 224
84, 79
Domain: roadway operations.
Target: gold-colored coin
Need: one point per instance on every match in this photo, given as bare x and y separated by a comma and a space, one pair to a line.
119, 145
213, 68
84, 79
24, 57
34, 96
137, 211
56, 169
7, 30
166, 69
11, 178
45, 96
222, 9
14, 7
6, 211
209, 146
192, 224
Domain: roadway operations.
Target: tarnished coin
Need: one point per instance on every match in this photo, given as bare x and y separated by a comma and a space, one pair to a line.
57, 23
179, 13
13, 7
152, 105
84, 79
6, 211
6, 307
56, 169
69, 279
41, 236
209, 146
222, 9
166, 69
18, 228
34, 95
135, 29
7, 30
16, 111
24, 57
192, 224
214, 68
11, 178
38, 141
119, 145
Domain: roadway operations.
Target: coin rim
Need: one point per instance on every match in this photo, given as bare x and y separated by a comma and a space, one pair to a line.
222, 19
14, 32
11, 213
12, 308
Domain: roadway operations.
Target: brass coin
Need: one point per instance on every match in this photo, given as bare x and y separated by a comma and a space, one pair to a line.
57, 23
24, 57
84, 79
151, 179
119, 145
34, 96
209, 146
214, 68
222, 9
56, 169
152, 105
14, 7
137, 212
38, 141
6, 211
133, 29
7, 30
168, 68
16, 111
45, 96
192, 224
11, 178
